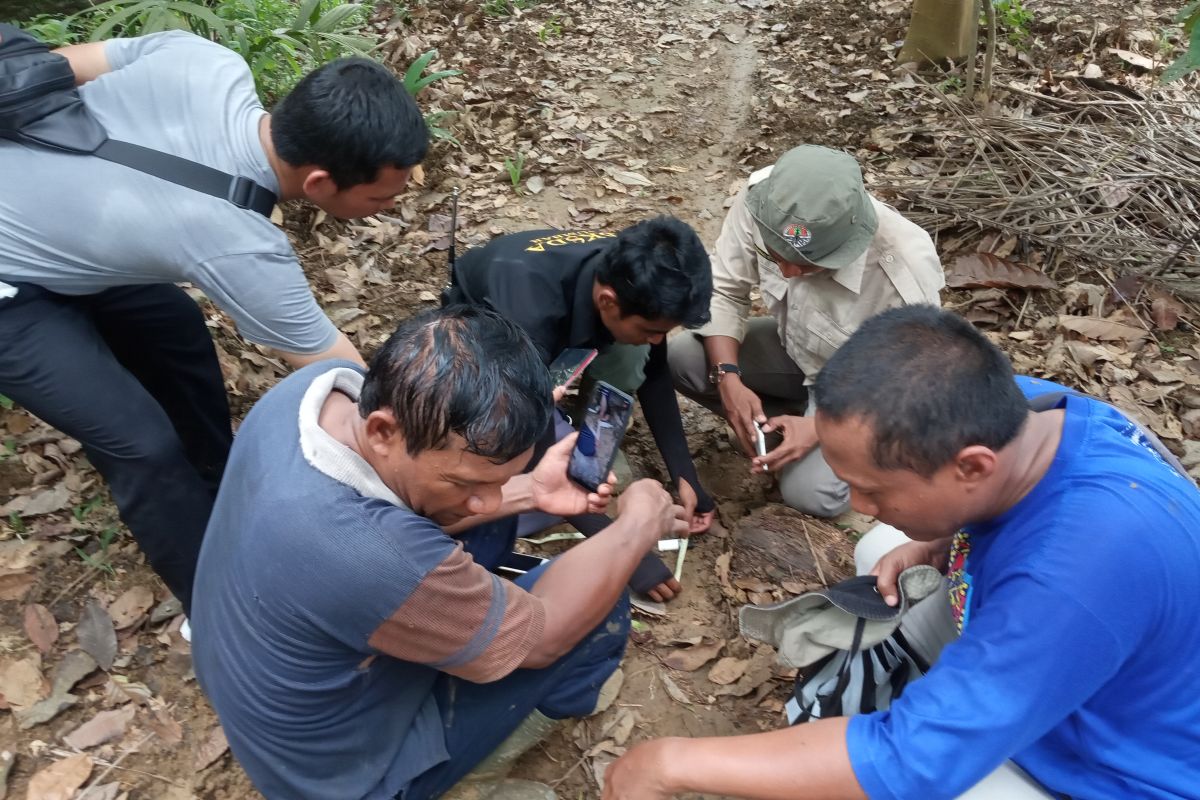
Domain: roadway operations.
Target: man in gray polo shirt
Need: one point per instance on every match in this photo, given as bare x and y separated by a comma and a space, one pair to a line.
98, 339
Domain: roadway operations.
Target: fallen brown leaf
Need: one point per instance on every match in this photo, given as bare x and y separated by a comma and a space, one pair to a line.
16, 585
758, 672
1104, 330
692, 658
984, 270
213, 747
96, 634
60, 780
165, 727
130, 607
728, 670
17, 555
1165, 310
45, 502
104, 727
21, 682
673, 689
40, 627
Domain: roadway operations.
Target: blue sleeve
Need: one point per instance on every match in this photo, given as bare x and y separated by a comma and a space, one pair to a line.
1014, 674
1046, 639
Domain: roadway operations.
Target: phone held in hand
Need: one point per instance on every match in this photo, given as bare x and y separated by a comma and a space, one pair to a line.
515, 564
604, 423
569, 365
760, 439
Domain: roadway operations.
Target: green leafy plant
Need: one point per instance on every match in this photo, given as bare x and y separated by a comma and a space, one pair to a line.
434, 120
551, 29
102, 559
54, 31
951, 85
515, 166
6, 403
17, 524
506, 8
279, 39
415, 81
1189, 17
81, 511
1015, 19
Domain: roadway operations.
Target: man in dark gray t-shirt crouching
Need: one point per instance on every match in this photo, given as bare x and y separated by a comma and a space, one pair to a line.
99, 341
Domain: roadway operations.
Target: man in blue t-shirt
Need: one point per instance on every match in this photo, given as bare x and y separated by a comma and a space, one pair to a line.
348, 626
1075, 573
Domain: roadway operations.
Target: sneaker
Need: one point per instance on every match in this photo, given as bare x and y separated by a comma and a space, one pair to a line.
185, 630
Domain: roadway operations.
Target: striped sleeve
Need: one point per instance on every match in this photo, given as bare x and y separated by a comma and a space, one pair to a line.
465, 621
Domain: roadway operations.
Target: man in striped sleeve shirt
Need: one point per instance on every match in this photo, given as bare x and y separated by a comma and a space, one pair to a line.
347, 626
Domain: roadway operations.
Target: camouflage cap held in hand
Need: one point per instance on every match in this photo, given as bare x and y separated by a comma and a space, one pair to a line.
813, 208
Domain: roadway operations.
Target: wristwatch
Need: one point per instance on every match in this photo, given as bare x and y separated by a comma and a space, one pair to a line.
718, 370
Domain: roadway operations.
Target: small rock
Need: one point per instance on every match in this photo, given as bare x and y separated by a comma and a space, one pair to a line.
166, 610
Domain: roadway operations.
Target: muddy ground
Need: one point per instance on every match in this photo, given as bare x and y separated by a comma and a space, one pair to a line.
617, 110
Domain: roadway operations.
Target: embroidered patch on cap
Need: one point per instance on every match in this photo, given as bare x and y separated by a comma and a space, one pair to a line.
797, 235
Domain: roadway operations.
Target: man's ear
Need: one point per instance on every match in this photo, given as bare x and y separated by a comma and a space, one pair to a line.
975, 464
606, 299
383, 434
319, 186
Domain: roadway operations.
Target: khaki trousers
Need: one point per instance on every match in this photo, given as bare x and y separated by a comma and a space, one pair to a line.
807, 485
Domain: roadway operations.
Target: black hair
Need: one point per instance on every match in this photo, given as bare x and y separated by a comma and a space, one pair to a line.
928, 383
351, 117
461, 370
659, 270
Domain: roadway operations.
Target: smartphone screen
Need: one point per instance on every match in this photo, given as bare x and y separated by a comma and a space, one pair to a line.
569, 365
600, 434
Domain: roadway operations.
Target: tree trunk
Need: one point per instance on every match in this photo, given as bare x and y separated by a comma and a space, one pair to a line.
941, 30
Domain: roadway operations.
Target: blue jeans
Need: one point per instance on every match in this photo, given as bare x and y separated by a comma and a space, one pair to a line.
479, 716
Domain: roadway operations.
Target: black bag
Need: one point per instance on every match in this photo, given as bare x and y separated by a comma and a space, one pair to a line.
39, 105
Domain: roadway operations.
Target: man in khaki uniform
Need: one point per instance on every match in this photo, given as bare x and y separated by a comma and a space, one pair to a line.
825, 256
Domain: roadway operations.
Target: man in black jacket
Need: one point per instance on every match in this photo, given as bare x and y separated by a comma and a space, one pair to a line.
602, 290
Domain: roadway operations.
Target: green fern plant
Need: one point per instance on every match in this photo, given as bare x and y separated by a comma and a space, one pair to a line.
1189, 17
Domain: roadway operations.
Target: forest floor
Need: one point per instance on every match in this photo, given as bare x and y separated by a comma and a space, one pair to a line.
616, 110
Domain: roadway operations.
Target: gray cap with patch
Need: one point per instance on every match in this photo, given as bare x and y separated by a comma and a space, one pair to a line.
813, 208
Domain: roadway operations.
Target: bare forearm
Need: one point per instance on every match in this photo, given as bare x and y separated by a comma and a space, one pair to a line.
805, 762
88, 61
342, 347
581, 586
721, 349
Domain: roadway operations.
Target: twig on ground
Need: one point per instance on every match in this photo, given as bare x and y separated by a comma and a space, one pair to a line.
813, 550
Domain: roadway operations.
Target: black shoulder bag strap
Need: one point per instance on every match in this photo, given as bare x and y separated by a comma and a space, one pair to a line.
1049, 400
242, 192
40, 106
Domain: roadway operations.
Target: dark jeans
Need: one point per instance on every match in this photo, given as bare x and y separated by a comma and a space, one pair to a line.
479, 716
131, 373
